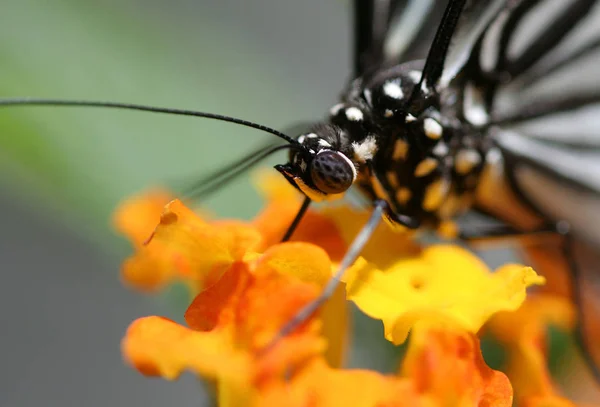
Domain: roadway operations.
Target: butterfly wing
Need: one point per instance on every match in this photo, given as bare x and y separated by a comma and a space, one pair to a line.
387, 32
527, 66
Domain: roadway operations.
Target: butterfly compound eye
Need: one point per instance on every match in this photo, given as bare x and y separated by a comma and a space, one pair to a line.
332, 172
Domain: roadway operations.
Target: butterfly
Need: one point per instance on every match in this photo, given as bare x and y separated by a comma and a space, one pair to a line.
446, 99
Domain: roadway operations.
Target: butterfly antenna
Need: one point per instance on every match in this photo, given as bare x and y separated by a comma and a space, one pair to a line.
215, 180
143, 108
436, 58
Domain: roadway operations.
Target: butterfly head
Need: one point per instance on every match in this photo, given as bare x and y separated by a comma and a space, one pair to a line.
321, 169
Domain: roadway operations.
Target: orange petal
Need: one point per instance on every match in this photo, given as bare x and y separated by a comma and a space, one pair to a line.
137, 217
445, 362
319, 385
283, 202
215, 306
185, 247
311, 264
524, 332
255, 304
159, 347
268, 304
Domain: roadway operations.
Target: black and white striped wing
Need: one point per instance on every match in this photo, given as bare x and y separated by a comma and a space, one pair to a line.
387, 32
530, 78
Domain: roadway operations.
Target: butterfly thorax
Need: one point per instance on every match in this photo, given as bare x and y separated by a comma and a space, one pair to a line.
425, 165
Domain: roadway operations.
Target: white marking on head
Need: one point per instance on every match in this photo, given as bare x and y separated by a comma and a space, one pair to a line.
426, 167
410, 118
354, 114
301, 139
415, 76
432, 128
324, 143
388, 113
312, 135
365, 150
392, 89
336, 109
368, 96
466, 160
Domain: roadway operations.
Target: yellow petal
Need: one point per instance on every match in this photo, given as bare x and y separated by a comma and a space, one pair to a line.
443, 282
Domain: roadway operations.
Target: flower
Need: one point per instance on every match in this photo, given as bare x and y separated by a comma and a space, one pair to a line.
524, 334
442, 282
230, 323
246, 286
445, 363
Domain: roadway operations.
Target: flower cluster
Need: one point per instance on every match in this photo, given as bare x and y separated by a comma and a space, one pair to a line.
246, 286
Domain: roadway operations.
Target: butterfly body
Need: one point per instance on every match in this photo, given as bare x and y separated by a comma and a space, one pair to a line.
424, 161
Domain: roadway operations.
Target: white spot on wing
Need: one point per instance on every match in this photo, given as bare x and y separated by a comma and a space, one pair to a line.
388, 113
432, 128
368, 96
301, 139
354, 114
474, 107
415, 76
392, 89
365, 150
312, 135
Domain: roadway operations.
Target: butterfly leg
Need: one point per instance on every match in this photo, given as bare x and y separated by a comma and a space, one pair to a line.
504, 232
349, 258
294, 225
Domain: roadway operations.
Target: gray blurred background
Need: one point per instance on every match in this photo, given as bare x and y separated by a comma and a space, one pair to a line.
62, 307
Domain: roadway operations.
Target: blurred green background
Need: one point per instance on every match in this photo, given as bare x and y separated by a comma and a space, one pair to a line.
267, 61
63, 170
